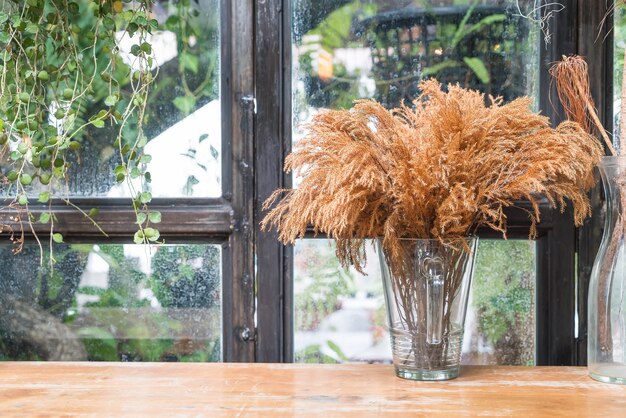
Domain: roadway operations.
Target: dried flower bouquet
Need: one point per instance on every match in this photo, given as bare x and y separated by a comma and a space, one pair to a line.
441, 169
438, 170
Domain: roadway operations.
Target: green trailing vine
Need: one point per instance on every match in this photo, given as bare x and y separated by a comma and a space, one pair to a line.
58, 58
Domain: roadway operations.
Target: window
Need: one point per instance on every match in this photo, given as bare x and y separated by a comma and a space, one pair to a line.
232, 93
108, 299
373, 49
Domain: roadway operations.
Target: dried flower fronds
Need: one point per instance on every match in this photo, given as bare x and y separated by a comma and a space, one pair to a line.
440, 170
571, 75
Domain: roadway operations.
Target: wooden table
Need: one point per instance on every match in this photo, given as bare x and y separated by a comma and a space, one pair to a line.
215, 390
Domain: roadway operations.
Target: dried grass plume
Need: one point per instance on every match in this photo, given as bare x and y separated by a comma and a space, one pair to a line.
439, 170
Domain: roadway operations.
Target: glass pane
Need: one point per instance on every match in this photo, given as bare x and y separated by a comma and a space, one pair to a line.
500, 321
380, 49
111, 303
340, 314
182, 120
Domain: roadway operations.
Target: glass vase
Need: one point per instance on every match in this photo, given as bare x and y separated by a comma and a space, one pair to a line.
426, 286
606, 349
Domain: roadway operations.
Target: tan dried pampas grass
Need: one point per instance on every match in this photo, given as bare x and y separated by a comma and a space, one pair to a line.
440, 170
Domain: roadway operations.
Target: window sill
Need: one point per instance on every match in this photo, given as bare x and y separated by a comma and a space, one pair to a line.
158, 389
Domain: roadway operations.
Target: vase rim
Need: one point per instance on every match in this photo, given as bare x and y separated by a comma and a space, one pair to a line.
466, 238
609, 160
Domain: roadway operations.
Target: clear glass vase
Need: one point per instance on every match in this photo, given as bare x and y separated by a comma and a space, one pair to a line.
606, 349
426, 286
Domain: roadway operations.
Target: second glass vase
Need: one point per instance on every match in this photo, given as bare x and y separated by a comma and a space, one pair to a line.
606, 351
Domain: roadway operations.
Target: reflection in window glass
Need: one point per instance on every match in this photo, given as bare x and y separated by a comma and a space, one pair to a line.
340, 314
346, 50
500, 323
112, 303
182, 121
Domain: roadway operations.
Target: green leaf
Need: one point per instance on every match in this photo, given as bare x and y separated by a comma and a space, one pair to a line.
172, 22
22, 148
73, 8
26, 179
146, 47
188, 188
337, 350
22, 200
143, 140
134, 173
135, 50
44, 218
141, 218
110, 100
186, 104
120, 169
31, 28
57, 237
460, 32
484, 22
131, 29
435, 69
44, 197
189, 62
94, 212
98, 123
145, 159
478, 67
109, 23
138, 238
155, 217
214, 153
152, 234
145, 197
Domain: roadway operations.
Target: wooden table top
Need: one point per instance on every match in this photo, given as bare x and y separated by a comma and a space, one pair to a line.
215, 390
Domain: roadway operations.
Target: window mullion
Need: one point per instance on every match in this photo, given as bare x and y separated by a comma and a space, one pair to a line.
238, 187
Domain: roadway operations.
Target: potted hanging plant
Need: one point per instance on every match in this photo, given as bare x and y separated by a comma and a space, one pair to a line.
59, 59
420, 181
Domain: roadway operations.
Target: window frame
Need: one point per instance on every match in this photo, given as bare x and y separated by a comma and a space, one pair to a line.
257, 271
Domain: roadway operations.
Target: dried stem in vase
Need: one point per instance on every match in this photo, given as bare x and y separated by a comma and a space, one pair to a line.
571, 75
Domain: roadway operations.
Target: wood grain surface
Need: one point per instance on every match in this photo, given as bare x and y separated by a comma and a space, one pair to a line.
216, 390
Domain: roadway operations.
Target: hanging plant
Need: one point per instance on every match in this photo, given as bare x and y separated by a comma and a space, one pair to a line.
57, 59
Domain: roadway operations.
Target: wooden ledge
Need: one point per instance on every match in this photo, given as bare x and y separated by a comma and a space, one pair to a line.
200, 389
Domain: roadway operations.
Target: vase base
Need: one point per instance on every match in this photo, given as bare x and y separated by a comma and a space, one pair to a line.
426, 375
608, 379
